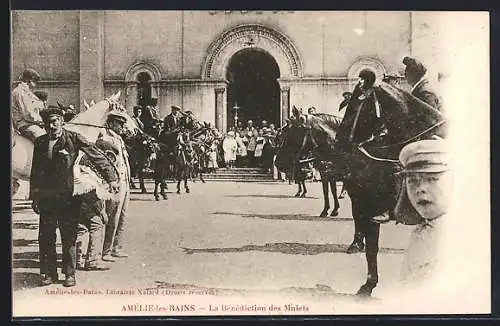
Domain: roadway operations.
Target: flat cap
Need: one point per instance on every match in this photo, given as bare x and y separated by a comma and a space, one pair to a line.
175, 108
425, 156
117, 116
50, 111
41, 95
346, 93
30, 74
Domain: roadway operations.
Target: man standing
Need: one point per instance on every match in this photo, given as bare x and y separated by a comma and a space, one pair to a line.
26, 106
415, 75
114, 237
51, 190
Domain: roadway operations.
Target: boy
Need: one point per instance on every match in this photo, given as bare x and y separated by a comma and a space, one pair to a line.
427, 188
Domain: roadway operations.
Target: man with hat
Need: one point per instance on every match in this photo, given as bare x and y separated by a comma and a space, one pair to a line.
345, 101
415, 75
51, 190
90, 193
424, 200
26, 106
117, 209
171, 121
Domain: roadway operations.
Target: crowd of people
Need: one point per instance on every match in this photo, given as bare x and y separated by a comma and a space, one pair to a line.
249, 146
61, 158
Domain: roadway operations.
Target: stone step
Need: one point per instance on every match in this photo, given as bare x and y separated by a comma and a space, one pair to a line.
238, 176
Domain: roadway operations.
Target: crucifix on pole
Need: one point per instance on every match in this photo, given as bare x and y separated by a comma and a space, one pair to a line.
236, 108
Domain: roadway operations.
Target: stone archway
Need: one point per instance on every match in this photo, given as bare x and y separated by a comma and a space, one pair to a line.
248, 36
132, 82
366, 63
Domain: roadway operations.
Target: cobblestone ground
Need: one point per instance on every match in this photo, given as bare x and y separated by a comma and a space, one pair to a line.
241, 240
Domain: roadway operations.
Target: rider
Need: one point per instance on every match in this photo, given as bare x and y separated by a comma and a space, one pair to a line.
415, 75
171, 121
366, 83
26, 106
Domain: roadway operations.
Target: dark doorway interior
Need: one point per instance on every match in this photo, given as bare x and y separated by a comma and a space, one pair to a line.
253, 86
143, 89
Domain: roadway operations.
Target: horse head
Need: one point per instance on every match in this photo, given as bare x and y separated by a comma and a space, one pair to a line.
402, 117
90, 123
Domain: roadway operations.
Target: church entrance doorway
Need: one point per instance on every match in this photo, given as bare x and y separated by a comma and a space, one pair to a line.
253, 92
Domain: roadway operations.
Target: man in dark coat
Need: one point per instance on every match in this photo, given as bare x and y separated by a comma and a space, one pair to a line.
171, 121
51, 190
415, 75
345, 101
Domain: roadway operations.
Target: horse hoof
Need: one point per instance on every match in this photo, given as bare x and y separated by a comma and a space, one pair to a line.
355, 248
187, 191
303, 195
323, 213
178, 192
297, 194
157, 198
203, 181
165, 197
365, 291
144, 191
335, 213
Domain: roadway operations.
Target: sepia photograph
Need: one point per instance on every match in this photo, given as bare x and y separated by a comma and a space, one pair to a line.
234, 163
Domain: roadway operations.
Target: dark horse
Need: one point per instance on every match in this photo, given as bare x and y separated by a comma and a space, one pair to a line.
371, 159
142, 150
295, 142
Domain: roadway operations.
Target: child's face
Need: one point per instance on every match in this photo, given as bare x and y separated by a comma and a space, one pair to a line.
429, 193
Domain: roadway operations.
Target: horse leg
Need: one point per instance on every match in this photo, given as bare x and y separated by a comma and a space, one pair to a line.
162, 190
333, 185
186, 187
300, 189
155, 192
141, 183
304, 192
357, 244
324, 184
343, 191
178, 185
372, 232
201, 177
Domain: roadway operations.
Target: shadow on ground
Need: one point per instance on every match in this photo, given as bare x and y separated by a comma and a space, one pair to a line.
25, 225
287, 217
24, 242
288, 248
320, 291
25, 280
291, 196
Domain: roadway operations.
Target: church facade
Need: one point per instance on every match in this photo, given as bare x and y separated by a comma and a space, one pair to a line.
217, 63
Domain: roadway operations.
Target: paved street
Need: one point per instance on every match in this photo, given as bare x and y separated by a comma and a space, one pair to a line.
241, 240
